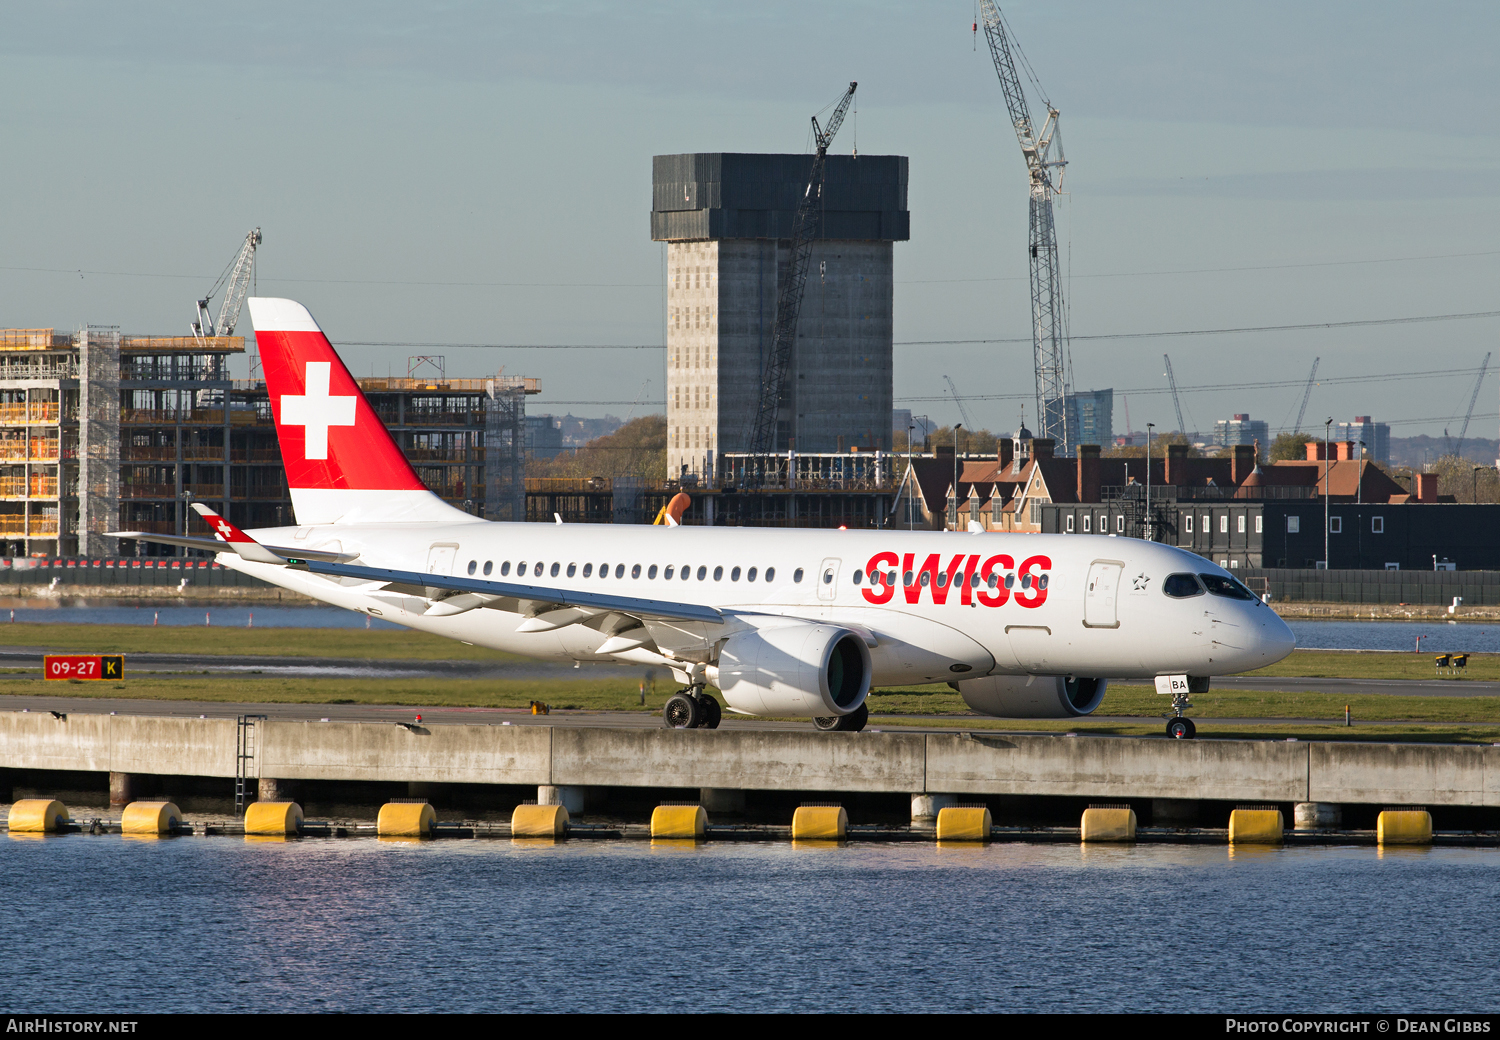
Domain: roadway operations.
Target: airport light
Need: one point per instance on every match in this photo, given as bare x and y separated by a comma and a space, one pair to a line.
1150, 530
911, 428
956, 428
1327, 487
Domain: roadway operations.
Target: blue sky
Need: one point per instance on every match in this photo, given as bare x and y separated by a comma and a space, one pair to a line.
480, 173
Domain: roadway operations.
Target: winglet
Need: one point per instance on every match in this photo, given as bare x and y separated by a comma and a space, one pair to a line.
236, 539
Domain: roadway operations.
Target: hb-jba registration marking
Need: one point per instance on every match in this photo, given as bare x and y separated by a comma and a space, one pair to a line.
72, 666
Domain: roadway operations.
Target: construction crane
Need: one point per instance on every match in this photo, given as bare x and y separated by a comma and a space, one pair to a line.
235, 281
1306, 396
960, 402
1464, 430
765, 435
1172, 382
1045, 165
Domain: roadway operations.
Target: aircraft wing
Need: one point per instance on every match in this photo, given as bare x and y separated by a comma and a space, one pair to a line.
485, 590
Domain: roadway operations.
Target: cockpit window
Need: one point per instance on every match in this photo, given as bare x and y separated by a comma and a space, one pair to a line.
1181, 586
1228, 587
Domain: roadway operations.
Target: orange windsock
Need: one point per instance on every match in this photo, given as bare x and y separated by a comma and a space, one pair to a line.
679, 505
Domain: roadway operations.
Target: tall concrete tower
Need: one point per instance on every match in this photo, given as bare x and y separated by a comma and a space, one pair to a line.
727, 219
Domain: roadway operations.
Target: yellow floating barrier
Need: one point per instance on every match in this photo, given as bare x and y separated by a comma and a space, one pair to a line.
405, 820
1404, 827
150, 818
1108, 823
678, 821
1256, 826
819, 823
964, 823
539, 821
38, 816
283, 818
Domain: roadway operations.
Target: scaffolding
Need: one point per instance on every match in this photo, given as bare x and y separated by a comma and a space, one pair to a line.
505, 449
98, 439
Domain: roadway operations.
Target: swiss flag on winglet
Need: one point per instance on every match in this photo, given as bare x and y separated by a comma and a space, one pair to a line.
223, 529
330, 436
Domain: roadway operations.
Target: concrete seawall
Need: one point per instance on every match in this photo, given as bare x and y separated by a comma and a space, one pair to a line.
957, 763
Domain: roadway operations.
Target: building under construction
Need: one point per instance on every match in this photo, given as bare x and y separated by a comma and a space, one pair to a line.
727, 219
102, 432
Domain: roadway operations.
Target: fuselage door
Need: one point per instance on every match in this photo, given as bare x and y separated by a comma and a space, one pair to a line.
440, 558
1101, 597
828, 579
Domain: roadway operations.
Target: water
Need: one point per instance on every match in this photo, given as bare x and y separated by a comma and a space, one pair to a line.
221, 924
1437, 636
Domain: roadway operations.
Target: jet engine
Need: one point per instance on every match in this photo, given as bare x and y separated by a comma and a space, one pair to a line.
793, 668
1032, 696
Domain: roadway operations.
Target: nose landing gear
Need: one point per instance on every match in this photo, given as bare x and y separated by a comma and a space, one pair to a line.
1181, 729
1179, 726
692, 707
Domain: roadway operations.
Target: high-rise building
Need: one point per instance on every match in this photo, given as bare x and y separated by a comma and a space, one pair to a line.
1091, 417
1242, 430
544, 436
727, 220
1376, 437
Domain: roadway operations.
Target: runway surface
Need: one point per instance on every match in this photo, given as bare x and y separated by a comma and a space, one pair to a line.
167, 666
170, 665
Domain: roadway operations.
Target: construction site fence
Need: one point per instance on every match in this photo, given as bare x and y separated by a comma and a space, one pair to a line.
160, 572
1414, 588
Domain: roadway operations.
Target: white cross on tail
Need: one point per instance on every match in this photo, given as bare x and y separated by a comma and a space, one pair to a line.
316, 411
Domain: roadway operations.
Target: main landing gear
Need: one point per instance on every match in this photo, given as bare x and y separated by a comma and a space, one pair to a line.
850, 723
691, 707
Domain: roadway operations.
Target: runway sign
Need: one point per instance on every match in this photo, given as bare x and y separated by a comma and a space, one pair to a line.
83, 666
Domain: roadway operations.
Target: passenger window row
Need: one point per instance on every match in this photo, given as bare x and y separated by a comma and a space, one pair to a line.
670, 572
910, 577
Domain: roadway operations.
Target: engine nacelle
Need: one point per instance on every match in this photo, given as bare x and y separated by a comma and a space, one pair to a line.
796, 668
1032, 696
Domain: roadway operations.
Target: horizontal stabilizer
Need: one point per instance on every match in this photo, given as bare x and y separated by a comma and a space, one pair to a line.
277, 553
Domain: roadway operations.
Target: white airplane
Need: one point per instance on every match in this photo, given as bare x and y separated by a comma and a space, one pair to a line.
781, 622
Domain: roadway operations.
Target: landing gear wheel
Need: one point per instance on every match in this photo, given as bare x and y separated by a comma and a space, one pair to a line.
850, 723
712, 713
1181, 729
682, 712
855, 720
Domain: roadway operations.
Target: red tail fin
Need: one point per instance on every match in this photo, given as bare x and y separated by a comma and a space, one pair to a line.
341, 463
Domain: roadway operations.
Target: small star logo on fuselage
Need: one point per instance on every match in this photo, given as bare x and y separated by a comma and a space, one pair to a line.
1140, 581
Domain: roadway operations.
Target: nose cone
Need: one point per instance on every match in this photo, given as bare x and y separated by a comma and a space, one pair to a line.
1275, 638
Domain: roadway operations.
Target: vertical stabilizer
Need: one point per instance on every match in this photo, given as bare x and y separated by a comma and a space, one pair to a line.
341, 464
